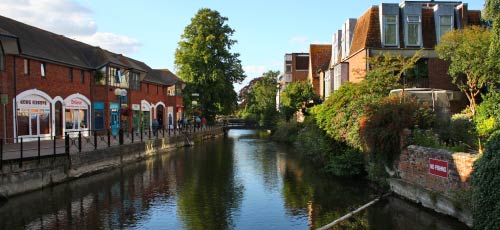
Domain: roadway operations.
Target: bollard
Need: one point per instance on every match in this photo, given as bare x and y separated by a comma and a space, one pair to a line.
21, 159
39, 150
54, 146
120, 136
132, 132
141, 135
79, 141
109, 138
1, 155
169, 131
149, 131
95, 139
66, 144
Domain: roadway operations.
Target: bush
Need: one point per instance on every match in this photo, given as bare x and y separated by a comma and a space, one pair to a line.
485, 184
462, 130
488, 114
286, 131
313, 143
348, 162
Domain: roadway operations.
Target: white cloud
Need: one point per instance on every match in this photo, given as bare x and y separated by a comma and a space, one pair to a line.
113, 42
254, 71
300, 40
69, 18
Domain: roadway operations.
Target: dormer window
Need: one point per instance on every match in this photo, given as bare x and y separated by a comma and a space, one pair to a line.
445, 24
390, 30
413, 30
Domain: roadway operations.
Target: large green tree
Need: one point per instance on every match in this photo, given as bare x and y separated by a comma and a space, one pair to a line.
295, 97
204, 60
492, 13
260, 98
467, 49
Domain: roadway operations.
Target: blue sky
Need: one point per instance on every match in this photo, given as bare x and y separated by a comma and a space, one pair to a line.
149, 30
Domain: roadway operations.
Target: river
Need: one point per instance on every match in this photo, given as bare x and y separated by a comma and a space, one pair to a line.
243, 181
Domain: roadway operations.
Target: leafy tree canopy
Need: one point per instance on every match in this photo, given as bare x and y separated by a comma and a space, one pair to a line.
259, 98
295, 96
203, 59
467, 49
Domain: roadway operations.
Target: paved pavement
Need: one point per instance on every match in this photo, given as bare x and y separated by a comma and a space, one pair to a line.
12, 151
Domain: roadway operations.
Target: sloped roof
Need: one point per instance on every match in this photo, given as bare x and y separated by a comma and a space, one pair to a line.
367, 31
162, 77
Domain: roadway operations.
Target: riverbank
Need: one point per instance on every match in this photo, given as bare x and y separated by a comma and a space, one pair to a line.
36, 174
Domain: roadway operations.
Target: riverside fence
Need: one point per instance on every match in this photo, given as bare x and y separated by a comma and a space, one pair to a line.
34, 148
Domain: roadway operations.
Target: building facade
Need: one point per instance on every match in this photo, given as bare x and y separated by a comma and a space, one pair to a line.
399, 29
52, 85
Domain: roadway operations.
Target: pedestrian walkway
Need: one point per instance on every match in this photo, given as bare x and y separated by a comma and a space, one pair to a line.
83, 142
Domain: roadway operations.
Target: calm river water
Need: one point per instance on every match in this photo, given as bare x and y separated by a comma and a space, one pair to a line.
243, 181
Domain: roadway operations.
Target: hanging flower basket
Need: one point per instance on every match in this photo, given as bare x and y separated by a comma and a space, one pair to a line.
125, 111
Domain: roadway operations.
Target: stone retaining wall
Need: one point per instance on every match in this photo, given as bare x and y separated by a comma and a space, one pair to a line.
34, 174
433, 178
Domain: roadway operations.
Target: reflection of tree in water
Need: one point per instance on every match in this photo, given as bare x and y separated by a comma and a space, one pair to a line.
306, 194
209, 193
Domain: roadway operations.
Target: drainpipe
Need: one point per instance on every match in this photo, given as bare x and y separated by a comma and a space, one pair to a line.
15, 96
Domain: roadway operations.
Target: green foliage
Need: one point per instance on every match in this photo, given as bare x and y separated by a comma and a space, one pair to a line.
462, 199
488, 114
314, 144
462, 130
295, 96
346, 162
485, 184
467, 49
259, 99
383, 125
491, 9
286, 131
205, 63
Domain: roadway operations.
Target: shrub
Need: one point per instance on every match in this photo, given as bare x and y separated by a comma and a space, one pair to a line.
488, 114
286, 131
348, 162
313, 142
462, 130
485, 184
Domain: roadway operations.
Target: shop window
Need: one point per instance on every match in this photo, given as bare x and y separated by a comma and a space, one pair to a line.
33, 121
26, 66
76, 119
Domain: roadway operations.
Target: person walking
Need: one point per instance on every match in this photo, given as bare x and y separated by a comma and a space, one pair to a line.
203, 122
155, 127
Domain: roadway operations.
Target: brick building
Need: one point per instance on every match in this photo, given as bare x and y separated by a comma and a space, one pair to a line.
296, 68
320, 55
398, 29
51, 85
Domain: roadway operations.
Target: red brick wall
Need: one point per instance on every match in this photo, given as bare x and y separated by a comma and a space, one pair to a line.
438, 74
413, 167
357, 67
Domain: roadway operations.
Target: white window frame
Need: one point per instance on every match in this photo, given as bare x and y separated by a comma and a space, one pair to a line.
386, 23
412, 20
441, 25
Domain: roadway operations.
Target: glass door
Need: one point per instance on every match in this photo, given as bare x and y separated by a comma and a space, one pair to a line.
115, 118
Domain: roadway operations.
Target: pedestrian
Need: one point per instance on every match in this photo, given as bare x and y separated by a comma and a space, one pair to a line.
155, 127
204, 122
198, 122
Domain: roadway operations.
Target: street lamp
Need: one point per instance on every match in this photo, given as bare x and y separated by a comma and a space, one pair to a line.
120, 93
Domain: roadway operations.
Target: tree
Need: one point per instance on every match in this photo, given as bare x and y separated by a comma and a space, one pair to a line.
259, 98
203, 60
467, 49
492, 12
295, 96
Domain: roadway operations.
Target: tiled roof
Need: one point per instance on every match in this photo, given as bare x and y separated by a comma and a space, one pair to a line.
367, 32
40, 44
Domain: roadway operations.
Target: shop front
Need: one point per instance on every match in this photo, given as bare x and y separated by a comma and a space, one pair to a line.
76, 114
114, 109
33, 115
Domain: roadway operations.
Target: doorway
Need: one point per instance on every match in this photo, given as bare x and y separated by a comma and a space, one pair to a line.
159, 115
58, 118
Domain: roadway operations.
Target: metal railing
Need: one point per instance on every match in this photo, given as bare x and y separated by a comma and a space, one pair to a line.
29, 148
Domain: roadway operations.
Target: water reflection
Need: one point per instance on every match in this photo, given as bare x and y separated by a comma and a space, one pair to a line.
241, 182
